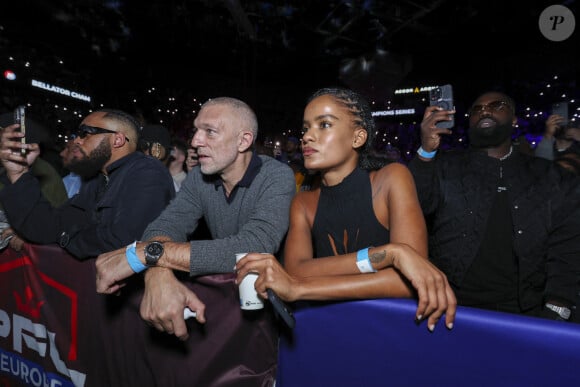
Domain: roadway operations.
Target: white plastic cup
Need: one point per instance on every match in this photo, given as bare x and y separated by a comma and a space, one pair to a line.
249, 298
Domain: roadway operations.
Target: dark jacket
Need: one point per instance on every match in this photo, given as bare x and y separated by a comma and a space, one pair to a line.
103, 216
51, 182
456, 191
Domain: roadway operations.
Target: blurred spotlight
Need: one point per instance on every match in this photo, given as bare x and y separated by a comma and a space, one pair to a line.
9, 75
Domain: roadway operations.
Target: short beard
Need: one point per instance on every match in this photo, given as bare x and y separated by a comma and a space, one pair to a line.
92, 164
491, 136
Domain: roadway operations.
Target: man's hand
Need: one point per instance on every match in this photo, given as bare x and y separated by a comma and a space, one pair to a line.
112, 271
17, 243
163, 302
573, 134
15, 163
431, 134
552, 123
9, 238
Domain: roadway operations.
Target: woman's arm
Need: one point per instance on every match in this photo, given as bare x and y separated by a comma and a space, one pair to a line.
402, 265
396, 206
403, 216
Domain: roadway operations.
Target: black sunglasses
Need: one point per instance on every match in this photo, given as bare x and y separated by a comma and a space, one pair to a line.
86, 129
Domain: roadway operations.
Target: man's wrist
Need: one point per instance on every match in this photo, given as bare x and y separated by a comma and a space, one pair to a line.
154, 274
133, 259
425, 154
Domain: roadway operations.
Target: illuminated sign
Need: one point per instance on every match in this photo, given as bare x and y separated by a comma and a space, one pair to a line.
60, 90
414, 90
403, 111
395, 112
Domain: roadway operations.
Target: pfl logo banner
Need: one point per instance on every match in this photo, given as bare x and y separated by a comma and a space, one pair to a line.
34, 341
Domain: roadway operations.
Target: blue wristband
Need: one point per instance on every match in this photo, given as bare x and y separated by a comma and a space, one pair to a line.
423, 153
132, 259
363, 262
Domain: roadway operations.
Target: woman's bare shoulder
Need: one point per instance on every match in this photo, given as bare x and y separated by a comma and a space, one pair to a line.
304, 205
391, 171
307, 197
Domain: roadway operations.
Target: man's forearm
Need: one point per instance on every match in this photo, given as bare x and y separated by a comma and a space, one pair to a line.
176, 255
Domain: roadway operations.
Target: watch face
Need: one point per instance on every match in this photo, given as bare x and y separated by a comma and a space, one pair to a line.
155, 249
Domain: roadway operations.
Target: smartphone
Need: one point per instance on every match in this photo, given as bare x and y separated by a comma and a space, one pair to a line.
443, 96
20, 118
561, 109
281, 309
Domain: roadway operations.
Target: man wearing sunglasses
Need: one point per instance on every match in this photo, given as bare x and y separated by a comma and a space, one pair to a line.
504, 226
122, 191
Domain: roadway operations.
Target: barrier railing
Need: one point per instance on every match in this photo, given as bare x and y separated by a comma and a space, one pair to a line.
376, 343
55, 330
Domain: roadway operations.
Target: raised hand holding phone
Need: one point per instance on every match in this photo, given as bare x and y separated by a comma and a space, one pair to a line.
561, 109
442, 96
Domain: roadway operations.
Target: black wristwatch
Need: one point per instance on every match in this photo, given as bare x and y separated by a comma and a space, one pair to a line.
153, 251
562, 311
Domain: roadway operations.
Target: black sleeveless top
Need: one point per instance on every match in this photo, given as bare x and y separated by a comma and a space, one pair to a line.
345, 221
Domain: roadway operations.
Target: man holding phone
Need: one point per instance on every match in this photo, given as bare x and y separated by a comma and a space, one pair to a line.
558, 138
50, 180
504, 226
124, 189
122, 192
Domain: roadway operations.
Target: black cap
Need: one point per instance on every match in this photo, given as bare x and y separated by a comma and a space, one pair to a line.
156, 133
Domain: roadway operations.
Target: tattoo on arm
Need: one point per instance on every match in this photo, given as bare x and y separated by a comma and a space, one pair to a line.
382, 258
378, 257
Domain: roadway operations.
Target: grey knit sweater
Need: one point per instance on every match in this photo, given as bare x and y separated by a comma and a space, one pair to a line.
256, 220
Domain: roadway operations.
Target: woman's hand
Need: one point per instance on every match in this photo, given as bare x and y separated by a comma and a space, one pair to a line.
271, 275
434, 292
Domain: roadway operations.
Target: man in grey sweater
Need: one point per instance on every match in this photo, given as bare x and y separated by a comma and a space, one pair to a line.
243, 198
